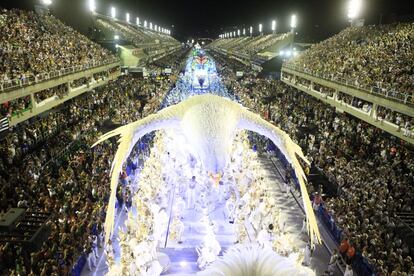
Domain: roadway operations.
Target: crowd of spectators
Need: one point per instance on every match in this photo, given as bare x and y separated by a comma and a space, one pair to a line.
15, 107
403, 122
374, 171
370, 56
47, 165
32, 44
60, 91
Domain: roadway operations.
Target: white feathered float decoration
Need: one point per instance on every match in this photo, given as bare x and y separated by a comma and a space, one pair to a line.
252, 259
208, 123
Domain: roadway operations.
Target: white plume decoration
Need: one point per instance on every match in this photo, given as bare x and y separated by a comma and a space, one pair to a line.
252, 259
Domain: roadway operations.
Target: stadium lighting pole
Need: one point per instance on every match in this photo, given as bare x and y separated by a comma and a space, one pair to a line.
293, 23
260, 29
127, 17
354, 8
274, 26
113, 12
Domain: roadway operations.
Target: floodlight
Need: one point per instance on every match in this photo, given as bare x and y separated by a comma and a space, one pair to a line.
251, 30
46, 2
145, 24
273, 25
260, 28
116, 37
354, 8
150, 25
238, 32
244, 31
138, 21
127, 17
92, 6
293, 21
113, 12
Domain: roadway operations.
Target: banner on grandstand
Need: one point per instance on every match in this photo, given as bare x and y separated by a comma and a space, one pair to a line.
4, 127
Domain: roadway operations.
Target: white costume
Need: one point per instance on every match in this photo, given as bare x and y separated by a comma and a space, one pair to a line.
264, 239
190, 193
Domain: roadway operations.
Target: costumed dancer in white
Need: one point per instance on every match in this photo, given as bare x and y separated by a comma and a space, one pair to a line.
307, 255
264, 238
190, 193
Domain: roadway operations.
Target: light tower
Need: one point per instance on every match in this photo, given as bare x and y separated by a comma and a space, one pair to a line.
113, 12
293, 23
273, 26
354, 8
92, 6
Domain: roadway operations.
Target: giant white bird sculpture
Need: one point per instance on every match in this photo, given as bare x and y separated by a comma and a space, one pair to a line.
208, 123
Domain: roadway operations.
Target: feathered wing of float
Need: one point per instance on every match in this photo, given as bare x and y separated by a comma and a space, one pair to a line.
252, 259
208, 123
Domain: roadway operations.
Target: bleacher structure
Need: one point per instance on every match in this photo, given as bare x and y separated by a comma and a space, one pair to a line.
305, 73
137, 44
252, 49
47, 89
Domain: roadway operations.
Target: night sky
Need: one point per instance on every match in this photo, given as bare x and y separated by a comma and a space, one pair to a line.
317, 19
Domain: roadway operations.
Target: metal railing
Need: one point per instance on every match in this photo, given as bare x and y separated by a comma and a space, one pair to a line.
6, 85
392, 94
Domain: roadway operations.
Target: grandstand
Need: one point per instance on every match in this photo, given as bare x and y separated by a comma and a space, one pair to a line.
127, 152
143, 44
258, 49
